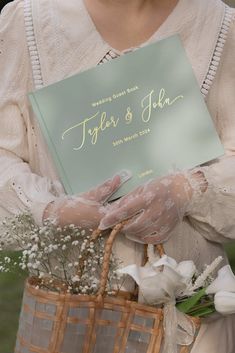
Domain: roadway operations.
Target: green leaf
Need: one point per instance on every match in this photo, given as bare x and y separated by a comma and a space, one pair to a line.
202, 305
189, 303
203, 312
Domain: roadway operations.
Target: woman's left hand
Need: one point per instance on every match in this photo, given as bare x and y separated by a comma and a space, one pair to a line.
155, 207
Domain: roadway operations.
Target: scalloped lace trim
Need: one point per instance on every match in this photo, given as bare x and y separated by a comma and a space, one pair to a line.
216, 57
32, 45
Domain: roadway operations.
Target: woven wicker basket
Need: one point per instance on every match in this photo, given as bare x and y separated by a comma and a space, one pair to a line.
64, 323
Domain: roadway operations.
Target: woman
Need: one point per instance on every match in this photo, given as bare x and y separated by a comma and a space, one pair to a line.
44, 41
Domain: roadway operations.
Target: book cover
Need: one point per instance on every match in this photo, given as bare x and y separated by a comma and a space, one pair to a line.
141, 112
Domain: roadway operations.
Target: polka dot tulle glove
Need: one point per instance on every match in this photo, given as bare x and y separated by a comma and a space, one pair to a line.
156, 207
87, 209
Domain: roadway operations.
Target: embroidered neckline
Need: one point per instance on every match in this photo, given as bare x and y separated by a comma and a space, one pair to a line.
205, 87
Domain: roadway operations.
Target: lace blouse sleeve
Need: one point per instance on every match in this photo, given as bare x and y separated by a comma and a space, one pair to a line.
213, 213
20, 188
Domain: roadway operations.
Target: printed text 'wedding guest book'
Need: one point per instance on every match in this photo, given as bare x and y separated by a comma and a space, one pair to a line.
141, 112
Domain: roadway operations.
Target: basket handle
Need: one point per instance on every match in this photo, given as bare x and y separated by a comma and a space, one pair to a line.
107, 254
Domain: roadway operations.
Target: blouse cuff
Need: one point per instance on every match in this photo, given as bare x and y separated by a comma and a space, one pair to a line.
204, 188
212, 212
34, 193
38, 208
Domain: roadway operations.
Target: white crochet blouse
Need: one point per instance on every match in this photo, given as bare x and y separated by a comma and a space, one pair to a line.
44, 41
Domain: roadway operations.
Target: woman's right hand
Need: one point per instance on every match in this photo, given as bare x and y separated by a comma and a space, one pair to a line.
85, 210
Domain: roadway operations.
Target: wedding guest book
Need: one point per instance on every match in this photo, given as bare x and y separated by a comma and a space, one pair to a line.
142, 112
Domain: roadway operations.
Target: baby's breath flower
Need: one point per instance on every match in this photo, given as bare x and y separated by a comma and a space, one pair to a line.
43, 248
67, 238
75, 242
76, 278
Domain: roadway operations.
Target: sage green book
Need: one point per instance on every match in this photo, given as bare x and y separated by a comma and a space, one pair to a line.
141, 112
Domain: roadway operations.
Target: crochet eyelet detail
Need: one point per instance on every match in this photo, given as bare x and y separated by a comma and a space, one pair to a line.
109, 56
32, 46
214, 64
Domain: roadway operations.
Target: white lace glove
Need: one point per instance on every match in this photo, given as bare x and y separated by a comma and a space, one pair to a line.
155, 207
87, 209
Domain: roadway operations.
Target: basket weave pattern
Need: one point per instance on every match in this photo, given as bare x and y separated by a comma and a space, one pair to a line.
53, 322
68, 323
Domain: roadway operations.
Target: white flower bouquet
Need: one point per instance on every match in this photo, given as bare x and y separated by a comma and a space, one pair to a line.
181, 289
70, 305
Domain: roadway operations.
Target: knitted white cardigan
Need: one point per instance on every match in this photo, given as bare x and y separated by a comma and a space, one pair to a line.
44, 41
